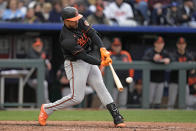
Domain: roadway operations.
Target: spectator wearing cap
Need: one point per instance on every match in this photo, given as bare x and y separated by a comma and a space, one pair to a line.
185, 12
117, 54
98, 17
171, 15
12, 13
179, 55
120, 13
55, 14
157, 55
37, 52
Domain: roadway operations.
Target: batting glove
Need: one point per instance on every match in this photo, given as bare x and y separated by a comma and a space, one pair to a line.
104, 53
106, 61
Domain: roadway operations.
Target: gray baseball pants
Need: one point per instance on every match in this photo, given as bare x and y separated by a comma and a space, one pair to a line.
156, 92
173, 91
79, 73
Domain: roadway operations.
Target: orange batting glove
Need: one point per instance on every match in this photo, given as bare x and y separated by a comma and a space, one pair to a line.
104, 53
106, 61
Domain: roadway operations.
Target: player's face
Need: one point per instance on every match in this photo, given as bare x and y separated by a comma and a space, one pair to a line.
116, 48
71, 24
159, 46
181, 46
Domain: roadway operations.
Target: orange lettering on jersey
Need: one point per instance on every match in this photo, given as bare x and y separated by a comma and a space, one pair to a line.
182, 59
83, 40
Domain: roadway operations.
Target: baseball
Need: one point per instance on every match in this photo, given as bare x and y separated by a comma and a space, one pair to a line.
129, 79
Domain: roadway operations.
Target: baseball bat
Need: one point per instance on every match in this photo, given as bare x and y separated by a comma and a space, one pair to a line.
116, 79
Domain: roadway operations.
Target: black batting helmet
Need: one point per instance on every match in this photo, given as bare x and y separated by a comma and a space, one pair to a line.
71, 14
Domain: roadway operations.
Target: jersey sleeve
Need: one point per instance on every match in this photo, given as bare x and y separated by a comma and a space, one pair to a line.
148, 56
77, 51
71, 46
84, 25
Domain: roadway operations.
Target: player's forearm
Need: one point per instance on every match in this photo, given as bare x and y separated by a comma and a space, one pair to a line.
88, 58
95, 38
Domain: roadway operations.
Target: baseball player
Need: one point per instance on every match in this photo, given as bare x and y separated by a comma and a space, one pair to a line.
77, 39
157, 55
121, 55
181, 55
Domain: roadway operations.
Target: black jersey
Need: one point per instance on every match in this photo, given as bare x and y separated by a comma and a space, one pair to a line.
179, 58
78, 43
156, 75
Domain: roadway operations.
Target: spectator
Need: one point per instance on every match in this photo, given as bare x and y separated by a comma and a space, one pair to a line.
171, 15
47, 7
159, 56
33, 3
22, 7
82, 9
55, 14
158, 11
30, 17
142, 6
12, 13
37, 52
38, 13
68, 3
94, 5
121, 55
180, 55
120, 13
3, 5
156, 4
185, 12
158, 16
98, 17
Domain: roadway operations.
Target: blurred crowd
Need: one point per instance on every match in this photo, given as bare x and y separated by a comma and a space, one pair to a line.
110, 12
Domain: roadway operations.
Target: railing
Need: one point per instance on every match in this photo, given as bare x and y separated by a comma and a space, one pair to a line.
26, 63
146, 67
102, 28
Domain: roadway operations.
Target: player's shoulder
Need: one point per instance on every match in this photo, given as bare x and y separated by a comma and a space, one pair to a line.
65, 33
83, 22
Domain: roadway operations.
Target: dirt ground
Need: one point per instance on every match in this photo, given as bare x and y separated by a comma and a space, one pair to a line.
93, 126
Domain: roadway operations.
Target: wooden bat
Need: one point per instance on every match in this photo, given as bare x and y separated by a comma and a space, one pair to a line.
116, 79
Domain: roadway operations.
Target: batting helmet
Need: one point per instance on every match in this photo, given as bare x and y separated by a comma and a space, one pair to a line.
71, 14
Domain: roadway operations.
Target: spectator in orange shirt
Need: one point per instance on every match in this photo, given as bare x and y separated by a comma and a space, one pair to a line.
117, 54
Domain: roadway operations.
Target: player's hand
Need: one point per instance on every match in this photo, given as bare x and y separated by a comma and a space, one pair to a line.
106, 61
104, 53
